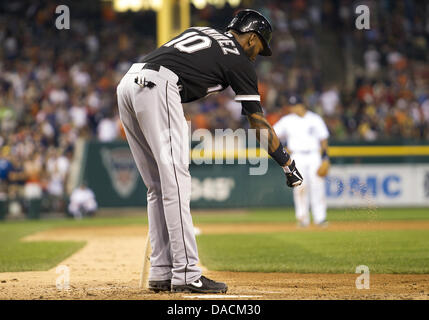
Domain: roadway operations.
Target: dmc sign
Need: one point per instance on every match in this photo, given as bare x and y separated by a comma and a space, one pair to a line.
370, 185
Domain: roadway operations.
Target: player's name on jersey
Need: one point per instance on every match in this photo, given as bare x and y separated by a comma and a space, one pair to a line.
221, 39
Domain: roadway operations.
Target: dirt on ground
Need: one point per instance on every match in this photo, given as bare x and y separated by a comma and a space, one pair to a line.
109, 266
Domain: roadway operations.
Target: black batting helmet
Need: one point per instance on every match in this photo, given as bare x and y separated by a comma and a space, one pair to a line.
252, 21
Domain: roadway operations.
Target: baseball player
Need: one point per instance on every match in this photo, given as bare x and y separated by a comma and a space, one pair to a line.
82, 202
198, 62
306, 135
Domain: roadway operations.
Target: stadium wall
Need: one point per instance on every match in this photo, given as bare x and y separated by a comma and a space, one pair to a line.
360, 176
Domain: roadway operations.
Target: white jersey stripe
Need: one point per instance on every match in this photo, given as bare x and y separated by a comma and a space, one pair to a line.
215, 88
247, 98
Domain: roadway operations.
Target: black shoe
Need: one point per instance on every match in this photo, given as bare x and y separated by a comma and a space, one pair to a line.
161, 285
323, 224
202, 285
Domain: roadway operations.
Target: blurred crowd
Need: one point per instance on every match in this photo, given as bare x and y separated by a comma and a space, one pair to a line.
59, 86
368, 85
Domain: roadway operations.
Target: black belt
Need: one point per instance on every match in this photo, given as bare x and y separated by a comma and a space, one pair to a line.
152, 66
156, 67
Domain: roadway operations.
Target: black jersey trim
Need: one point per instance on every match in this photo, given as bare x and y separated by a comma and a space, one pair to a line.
175, 176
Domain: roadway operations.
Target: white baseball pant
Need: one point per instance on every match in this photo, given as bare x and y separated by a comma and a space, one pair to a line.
77, 208
312, 191
157, 133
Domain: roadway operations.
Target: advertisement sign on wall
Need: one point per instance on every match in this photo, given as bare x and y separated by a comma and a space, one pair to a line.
378, 185
111, 173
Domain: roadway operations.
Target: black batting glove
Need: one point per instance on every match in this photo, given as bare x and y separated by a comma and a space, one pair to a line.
293, 177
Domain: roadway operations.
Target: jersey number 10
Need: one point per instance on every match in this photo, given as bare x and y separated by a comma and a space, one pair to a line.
190, 42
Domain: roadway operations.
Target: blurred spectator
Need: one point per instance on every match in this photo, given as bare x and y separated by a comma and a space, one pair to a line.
5, 167
82, 202
78, 115
330, 100
108, 129
33, 186
57, 86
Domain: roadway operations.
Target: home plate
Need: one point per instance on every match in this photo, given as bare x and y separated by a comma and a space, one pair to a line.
218, 296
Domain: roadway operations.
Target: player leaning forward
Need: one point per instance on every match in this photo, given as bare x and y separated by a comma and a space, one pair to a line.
197, 62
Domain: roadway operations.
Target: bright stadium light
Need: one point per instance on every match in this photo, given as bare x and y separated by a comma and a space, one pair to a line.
146, 4
125, 5
218, 4
155, 4
199, 4
234, 3
136, 5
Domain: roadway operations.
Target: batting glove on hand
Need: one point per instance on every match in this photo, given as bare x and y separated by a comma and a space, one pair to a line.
293, 177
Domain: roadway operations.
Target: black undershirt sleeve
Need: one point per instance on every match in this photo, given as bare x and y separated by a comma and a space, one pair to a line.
249, 107
243, 80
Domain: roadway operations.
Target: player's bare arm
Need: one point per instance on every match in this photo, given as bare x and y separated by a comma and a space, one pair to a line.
259, 123
253, 44
324, 147
324, 167
275, 149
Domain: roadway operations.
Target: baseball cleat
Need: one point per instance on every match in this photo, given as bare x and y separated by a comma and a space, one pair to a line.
202, 285
323, 224
302, 225
160, 285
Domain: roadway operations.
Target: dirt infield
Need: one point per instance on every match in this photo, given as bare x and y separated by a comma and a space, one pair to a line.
108, 267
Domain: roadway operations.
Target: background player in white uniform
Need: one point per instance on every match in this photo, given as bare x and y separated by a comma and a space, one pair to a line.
82, 202
306, 137
197, 62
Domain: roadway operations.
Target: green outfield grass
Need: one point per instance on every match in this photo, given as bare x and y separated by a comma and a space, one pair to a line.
388, 251
318, 252
218, 251
288, 215
16, 255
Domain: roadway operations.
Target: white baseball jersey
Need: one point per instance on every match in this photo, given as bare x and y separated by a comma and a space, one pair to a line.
80, 196
302, 134
82, 199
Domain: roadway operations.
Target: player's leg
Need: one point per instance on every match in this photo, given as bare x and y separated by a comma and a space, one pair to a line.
317, 194
74, 210
301, 204
161, 262
90, 207
167, 134
160, 116
301, 194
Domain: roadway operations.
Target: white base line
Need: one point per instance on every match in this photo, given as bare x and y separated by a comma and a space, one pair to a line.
218, 296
